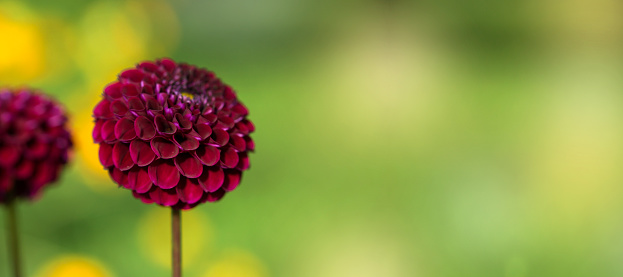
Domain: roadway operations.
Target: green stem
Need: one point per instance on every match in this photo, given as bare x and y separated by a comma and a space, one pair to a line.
176, 242
13, 238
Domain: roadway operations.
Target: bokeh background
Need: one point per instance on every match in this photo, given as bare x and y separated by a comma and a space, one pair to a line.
394, 138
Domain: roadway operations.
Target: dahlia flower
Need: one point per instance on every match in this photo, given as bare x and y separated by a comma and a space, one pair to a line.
172, 133
34, 143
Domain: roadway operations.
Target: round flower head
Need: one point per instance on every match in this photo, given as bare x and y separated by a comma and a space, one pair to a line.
172, 133
34, 143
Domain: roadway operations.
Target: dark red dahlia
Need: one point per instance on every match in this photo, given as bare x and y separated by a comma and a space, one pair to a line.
172, 133
34, 143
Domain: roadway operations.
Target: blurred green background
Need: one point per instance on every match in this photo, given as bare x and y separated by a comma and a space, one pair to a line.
394, 138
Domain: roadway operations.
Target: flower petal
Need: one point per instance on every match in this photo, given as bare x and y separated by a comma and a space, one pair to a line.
120, 177
24, 169
163, 126
38, 149
189, 190
164, 148
243, 163
105, 154
164, 174
188, 165
97, 131
203, 130
138, 179
219, 137
164, 197
141, 153
215, 196
134, 75
102, 110
144, 197
144, 128
249, 124
210, 117
186, 141
135, 104
224, 122
250, 143
108, 130
121, 156
242, 128
211, 179
119, 107
228, 93
6, 182
182, 205
9, 155
130, 90
151, 103
44, 173
240, 109
113, 90
124, 130
148, 66
232, 179
229, 157
181, 122
208, 155
238, 142
168, 64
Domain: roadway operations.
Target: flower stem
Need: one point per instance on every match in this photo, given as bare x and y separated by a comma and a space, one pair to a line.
176, 242
13, 238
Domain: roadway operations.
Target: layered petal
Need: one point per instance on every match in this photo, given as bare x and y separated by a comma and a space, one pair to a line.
189, 190
164, 174
141, 153
164, 148
208, 155
188, 165
121, 157
144, 128
139, 180
105, 155
211, 178
164, 197
124, 130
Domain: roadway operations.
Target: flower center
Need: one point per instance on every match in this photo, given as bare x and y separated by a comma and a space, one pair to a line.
187, 95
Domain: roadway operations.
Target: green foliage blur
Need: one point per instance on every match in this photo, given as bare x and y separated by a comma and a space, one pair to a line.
393, 138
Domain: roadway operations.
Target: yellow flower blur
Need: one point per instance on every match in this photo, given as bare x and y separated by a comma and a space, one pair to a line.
21, 52
93, 173
75, 266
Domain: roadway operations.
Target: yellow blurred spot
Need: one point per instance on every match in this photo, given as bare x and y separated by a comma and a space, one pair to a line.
237, 263
154, 233
75, 267
92, 171
21, 51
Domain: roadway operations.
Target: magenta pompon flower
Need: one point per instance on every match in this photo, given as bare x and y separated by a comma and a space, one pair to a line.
172, 133
35, 143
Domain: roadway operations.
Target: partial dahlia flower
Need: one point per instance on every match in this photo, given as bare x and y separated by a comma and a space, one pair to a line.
172, 133
34, 143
